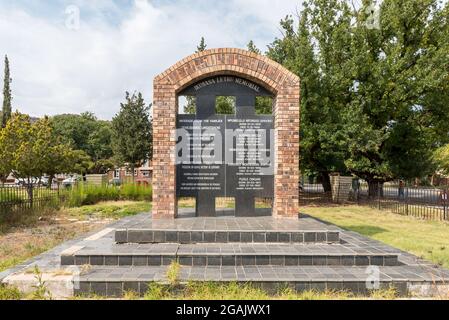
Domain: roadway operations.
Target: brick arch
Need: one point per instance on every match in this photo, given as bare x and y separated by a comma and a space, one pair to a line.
226, 61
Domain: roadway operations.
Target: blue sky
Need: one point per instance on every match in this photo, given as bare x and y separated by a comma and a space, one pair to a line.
62, 64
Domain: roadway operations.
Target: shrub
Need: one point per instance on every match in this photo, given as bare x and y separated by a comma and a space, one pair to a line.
85, 194
9, 293
136, 192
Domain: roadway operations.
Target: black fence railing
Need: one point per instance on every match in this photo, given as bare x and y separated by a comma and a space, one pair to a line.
314, 194
421, 202
25, 198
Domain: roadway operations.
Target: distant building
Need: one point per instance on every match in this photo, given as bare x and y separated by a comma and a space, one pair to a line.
142, 175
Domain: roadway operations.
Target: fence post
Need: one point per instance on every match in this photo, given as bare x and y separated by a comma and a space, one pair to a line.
445, 207
406, 201
445, 210
378, 196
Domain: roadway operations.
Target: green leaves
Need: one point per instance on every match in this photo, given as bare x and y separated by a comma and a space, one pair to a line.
374, 99
441, 158
32, 150
132, 132
88, 134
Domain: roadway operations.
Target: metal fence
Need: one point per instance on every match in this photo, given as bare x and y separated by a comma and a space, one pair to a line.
314, 194
24, 198
421, 202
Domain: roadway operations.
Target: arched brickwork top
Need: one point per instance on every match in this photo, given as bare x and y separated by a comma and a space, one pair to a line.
261, 70
238, 62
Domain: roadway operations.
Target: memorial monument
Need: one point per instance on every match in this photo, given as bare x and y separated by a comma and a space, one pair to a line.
240, 155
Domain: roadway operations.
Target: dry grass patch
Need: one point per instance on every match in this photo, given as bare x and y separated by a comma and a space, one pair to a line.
32, 236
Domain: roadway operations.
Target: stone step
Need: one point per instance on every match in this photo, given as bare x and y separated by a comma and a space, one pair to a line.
114, 281
225, 236
228, 255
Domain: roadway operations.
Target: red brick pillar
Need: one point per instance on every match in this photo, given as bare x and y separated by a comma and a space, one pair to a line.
286, 180
164, 144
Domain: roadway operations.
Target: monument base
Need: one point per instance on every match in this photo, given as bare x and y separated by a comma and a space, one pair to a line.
302, 254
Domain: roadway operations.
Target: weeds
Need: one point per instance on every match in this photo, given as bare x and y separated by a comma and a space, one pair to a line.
84, 194
9, 293
173, 273
41, 291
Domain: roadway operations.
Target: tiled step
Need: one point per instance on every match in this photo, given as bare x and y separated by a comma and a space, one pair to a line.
224, 236
114, 281
228, 255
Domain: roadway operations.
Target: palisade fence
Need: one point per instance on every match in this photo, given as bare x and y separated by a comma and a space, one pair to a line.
427, 203
422, 202
18, 199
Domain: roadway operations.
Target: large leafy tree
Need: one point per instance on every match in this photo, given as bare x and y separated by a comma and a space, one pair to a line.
400, 85
31, 150
88, 134
132, 132
441, 157
318, 50
374, 99
7, 98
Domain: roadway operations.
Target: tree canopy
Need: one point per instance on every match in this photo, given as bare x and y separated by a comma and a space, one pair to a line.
31, 149
132, 132
88, 134
7, 98
374, 96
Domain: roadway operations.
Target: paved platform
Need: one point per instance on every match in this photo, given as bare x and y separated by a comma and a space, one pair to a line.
108, 253
224, 229
97, 264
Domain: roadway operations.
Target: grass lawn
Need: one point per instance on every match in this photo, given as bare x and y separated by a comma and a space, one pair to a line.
34, 235
426, 239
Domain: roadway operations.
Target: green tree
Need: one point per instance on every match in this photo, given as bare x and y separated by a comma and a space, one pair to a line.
399, 72
190, 107
253, 48
441, 158
6, 156
202, 46
373, 95
318, 52
32, 150
7, 99
86, 133
132, 132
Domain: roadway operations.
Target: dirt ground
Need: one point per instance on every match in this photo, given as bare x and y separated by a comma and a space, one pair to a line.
21, 242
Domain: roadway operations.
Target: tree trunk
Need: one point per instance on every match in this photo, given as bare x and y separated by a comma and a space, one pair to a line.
50, 181
29, 189
326, 181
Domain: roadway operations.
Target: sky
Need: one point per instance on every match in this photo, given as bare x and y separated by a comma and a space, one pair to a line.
83, 55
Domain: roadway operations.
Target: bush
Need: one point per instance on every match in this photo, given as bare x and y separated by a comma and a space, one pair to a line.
9, 293
85, 194
136, 192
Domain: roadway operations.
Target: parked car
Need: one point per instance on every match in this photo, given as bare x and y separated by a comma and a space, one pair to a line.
71, 181
115, 182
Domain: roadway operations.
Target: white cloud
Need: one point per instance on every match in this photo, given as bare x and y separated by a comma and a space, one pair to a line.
57, 70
